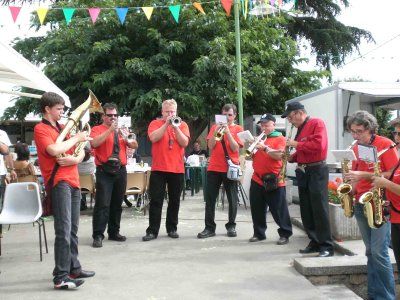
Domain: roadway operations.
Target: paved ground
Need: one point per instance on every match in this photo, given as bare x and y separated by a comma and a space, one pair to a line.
186, 268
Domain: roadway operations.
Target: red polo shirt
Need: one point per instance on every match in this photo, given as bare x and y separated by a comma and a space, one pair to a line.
44, 136
104, 151
167, 154
263, 163
217, 161
388, 161
312, 142
394, 199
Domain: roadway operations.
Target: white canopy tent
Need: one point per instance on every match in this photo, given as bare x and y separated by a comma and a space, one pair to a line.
18, 71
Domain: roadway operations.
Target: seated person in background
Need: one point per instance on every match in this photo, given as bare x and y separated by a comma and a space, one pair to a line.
85, 167
23, 167
197, 149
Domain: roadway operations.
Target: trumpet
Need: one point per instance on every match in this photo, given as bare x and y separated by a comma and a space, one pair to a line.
219, 133
282, 172
252, 148
175, 121
344, 189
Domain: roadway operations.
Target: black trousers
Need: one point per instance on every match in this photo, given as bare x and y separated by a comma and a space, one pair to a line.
314, 207
214, 180
158, 182
260, 200
395, 235
110, 191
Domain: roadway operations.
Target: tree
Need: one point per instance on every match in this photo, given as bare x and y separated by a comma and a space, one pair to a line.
139, 64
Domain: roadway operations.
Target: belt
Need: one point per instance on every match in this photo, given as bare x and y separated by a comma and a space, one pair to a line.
313, 164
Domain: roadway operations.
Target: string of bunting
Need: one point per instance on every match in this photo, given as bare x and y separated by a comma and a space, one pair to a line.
121, 12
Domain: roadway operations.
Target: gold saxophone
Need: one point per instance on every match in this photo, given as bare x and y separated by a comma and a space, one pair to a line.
282, 172
72, 125
373, 203
344, 189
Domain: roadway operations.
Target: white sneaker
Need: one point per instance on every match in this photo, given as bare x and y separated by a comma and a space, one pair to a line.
68, 283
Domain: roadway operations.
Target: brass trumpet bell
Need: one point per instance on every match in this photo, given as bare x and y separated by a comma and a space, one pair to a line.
219, 134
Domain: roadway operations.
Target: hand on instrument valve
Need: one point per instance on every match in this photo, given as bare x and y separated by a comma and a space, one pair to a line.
113, 126
353, 176
67, 160
83, 136
291, 143
379, 182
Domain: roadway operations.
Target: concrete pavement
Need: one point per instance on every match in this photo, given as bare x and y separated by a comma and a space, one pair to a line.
185, 268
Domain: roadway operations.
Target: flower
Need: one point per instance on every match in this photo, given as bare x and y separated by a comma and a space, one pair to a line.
332, 191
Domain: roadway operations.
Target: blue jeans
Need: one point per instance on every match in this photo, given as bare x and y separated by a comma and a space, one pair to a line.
66, 209
380, 272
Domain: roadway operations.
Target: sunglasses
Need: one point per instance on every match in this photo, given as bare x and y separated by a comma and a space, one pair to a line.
112, 115
396, 133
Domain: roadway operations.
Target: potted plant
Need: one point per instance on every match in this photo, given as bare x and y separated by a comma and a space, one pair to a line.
342, 228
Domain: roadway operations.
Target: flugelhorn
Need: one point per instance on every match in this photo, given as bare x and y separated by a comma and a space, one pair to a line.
344, 189
285, 157
219, 133
77, 117
252, 148
175, 121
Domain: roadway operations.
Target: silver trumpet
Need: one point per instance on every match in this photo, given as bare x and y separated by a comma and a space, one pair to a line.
175, 121
252, 148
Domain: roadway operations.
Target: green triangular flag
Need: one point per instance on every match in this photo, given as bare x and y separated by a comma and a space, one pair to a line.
175, 9
68, 13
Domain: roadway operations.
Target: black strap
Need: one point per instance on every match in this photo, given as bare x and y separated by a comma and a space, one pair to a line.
390, 178
116, 144
301, 127
225, 150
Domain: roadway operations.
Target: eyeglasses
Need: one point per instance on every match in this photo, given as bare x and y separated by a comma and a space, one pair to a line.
396, 133
358, 131
290, 116
112, 115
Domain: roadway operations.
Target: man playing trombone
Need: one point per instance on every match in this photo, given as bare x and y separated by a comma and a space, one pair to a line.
267, 187
217, 171
169, 137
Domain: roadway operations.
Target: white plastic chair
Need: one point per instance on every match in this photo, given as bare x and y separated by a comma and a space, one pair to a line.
22, 205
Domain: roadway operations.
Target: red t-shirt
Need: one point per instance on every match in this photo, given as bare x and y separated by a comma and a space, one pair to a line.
167, 154
217, 161
394, 199
45, 135
104, 151
388, 161
263, 163
312, 142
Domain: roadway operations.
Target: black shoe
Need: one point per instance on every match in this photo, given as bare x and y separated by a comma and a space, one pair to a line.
67, 283
127, 202
117, 237
309, 249
205, 234
82, 274
282, 241
231, 232
84, 207
97, 242
255, 239
173, 234
149, 237
325, 253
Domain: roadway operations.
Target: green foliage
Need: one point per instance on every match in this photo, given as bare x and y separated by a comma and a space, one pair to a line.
383, 117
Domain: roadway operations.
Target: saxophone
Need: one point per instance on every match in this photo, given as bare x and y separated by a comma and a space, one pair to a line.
373, 203
344, 189
282, 172
77, 116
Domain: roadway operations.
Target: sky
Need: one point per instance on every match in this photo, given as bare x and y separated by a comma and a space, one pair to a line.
380, 61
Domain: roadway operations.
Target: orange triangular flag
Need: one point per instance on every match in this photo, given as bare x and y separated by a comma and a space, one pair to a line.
227, 5
42, 12
14, 12
198, 6
148, 11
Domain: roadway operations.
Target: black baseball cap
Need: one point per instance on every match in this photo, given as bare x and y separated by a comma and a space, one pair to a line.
292, 106
267, 117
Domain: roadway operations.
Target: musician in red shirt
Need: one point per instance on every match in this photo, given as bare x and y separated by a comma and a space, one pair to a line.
363, 127
271, 192
312, 174
217, 169
60, 174
169, 137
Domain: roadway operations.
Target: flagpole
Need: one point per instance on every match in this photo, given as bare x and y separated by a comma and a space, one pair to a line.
238, 62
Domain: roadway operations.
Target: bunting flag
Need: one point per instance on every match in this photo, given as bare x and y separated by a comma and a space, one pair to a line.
148, 11
121, 12
68, 13
245, 8
94, 13
42, 12
272, 3
296, 5
279, 3
15, 12
175, 9
198, 6
227, 5
266, 7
